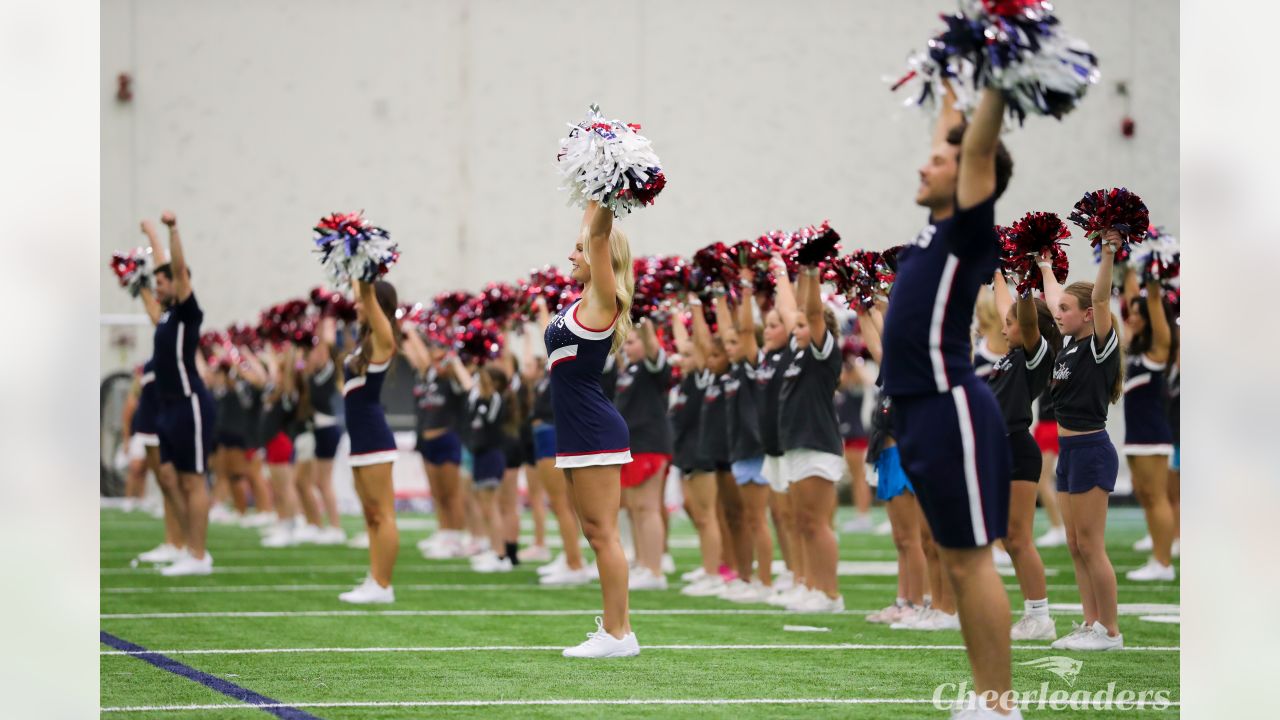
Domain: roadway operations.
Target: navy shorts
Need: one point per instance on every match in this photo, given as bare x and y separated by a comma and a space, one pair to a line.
488, 468
954, 449
1027, 460
146, 417
1086, 462
544, 441
185, 428
327, 442
443, 450
228, 439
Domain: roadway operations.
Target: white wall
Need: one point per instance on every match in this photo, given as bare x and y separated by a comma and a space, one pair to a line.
252, 118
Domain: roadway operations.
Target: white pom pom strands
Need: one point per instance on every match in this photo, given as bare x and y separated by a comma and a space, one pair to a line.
610, 162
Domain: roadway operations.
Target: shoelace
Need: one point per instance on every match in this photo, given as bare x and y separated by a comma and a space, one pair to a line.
599, 629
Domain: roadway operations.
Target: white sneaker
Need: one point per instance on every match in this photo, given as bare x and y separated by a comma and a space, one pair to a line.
484, 560
223, 515
985, 713
1077, 629
884, 528
369, 592
1033, 627
752, 592
1152, 571
557, 565
858, 524
307, 534
909, 616
359, 542
1143, 545
932, 620
332, 536
188, 565
784, 580
601, 644
281, 537
1177, 551
642, 578
564, 577
694, 575
668, 565
708, 586
733, 586
1053, 537
1000, 556
499, 565
1095, 639
782, 598
535, 553
258, 519
816, 601
162, 553
889, 615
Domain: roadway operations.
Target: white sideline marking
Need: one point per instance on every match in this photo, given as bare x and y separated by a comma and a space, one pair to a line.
301, 567
521, 703
1124, 608
463, 587
558, 648
890, 568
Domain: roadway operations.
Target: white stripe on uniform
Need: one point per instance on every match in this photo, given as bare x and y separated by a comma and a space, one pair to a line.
182, 367
199, 444
935, 322
969, 448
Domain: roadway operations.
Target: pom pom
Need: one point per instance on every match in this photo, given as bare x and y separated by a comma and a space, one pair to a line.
241, 335
814, 245
1116, 208
712, 264
861, 276
1161, 260
1022, 243
333, 304
132, 269
287, 322
499, 302
610, 162
458, 304
658, 279
351, 248
478, 341
557, 289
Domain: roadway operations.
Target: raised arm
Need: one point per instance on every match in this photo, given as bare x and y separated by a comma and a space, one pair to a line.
949, 116
1029, 324
649, 336
158, 254
384, 343
1102, 284
461, 374
151, 305
528, 361
701, 331
178, 263
747, 318
252, 369
811, 299
544, 315
1052, 288
414, 349
602, 305
1161, 333
1130, 289
725, 326
1003, 295
681, 335
977, 180
784, 298
870, 325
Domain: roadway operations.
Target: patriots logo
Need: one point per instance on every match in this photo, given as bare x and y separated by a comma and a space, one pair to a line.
1064, 667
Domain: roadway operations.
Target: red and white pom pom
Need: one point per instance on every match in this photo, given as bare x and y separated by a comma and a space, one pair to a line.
610, 162
1023, 243
1161, 259
352, 247
132, 269
478, 341
1117, 209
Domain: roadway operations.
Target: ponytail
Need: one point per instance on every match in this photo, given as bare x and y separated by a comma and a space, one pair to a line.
1118, 388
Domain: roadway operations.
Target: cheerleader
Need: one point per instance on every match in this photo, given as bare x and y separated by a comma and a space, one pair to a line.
529, 372
849, 400
991, 345
1016, 379
135, 479
320, 373
441, 405
640, 394
278, 427
1175, 461
252, 379
186, 420
1148, 438
373, 447
592, 443
1087, 376
488, 409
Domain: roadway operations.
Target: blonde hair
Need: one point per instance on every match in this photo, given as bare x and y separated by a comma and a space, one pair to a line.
988, 318
1083, 293
624, 281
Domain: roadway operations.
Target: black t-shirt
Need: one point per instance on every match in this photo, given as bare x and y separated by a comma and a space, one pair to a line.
881, 424
324, 387
487, 420
1015, 379
440, 400
1044, 406
641, 398
542, 409
713, 423
743, 395
769, 369
609, 378
849, 412
808, 418
1083, 375
273, 417
686, 409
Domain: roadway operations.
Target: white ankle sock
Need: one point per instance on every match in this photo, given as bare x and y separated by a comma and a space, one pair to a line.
1039, 608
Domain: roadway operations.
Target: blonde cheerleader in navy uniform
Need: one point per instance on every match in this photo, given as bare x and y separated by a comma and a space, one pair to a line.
1087, 377
592, 442
373, 447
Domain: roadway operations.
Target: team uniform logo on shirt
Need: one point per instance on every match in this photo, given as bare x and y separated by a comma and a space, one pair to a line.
1062, 372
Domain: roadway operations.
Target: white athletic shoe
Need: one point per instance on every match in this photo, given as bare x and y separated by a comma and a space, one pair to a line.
498, 565
332, 536
642, 578
484, 559
601, 644
1153, 571
929, 620
307, 534
733, 586
369, 592
1177, 551
1096, 639
782, 598
1000, 556
1053, 537
908, 617
162, 553
984, 713
1144, 545
223, 515
668, 565
889, 615
816, 601
188, 565
536, 554
784, 580
359, 542
694, 575
708, 586
281, 537
884, 528
258, 519
1033, 627
557, 565
752, 592
857, 524
1077, 629
564, 577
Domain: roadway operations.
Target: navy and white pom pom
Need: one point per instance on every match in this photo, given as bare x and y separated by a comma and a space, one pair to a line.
352, 248
610, 162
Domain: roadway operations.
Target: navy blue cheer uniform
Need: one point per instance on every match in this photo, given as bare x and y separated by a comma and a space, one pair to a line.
589, 429
1175, 416
1146, 418
371, 440
323, 386
1017, 379
441, 405
1083, 375
187, 411
950, 433
543, 420
145, 420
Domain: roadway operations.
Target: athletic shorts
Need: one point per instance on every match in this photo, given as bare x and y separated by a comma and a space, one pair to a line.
955, 451
544, 441
1046, 434
804, 463
186, 431
642, 467
225, 439
772, 472
1087, 462
327, 439
279, 450
1175, 460
857, 443
514, 454
891, 480
138, 444
1027, 460
304, 447
750, 471
445, 449
489, 467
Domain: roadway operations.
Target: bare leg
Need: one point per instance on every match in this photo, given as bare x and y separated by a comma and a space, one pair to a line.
799, 553
1083, 580
487, 500
700, 496
283, 488
644, 502
1151, 485
780, 512
1175, 501
263, 497
378, 500
324, 484
175, 500
944, 599
815, 498
235, 465
755, 506
735, 520
1049, 488
553, 480
174, 523
537, 505
856, 459
984, 617
1021, 544
509, 506
904, 519
304, 479
596, 494
197, 497
1089, 511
